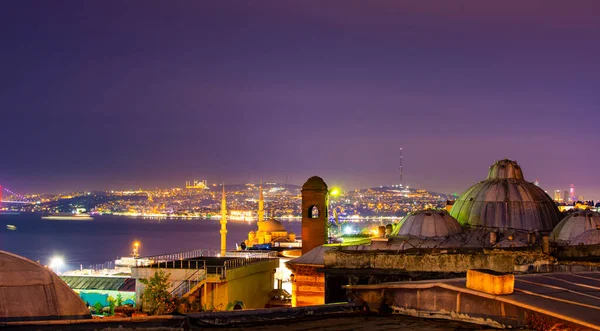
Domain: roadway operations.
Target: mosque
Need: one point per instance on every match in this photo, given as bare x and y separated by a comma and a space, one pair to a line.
270, 231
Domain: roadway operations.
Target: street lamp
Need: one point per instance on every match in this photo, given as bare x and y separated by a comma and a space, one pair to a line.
56, 262
334, 192
136, 247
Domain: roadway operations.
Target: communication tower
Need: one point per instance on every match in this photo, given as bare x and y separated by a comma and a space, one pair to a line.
401, 174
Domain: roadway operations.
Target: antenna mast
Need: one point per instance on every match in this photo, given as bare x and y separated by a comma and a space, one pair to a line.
401, 178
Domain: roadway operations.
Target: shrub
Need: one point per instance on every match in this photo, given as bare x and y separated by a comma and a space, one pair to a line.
156, 299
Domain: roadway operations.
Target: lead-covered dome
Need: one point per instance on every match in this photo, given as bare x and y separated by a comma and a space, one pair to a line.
272, 225
589, 237
506, 200
429, 224
505, 169
30, 292
575, 224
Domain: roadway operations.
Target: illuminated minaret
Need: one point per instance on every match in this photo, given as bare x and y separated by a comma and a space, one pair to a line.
223, 223
261, 205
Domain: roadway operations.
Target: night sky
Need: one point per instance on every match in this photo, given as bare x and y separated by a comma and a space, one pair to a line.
129, 94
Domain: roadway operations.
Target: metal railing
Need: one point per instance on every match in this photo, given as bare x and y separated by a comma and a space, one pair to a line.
178, 264
196, 253
189, 283
236, 263
251, 253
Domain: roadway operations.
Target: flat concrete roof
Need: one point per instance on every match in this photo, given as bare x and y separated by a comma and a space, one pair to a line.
572, 297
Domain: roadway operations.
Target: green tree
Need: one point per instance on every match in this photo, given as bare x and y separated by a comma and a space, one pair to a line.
156, 299
98, 308
119, 301
111, 304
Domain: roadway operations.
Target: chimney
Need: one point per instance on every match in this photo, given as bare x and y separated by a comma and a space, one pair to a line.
493, 238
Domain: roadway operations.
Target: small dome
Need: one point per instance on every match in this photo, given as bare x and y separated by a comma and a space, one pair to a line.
429, 223
315, 183
575, 224
505, 169
505, 200
273, 225
589, 237
28, 291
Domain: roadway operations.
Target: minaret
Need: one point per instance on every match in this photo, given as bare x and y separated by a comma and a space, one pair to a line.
261, 205
223, 223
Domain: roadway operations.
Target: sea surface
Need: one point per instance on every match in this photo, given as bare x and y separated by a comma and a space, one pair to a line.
106, 238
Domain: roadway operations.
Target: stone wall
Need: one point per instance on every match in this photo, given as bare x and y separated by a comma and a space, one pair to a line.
440, 261
589, 253
308, 286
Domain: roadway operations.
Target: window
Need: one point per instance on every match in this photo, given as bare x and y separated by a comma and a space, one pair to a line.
313, 212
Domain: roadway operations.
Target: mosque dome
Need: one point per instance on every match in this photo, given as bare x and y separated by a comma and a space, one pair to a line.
273, 225
506, 200
504, 169
30, 292
429, 223
575, 224
315, 183
589, 237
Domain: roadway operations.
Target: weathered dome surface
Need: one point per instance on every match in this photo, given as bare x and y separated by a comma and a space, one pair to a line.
589, 237
505, 169
30, 292
428, 224
273, 225
315, 183
505, 200
575, 224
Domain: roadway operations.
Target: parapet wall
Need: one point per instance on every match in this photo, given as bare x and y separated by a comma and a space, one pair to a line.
589, 253
434, 260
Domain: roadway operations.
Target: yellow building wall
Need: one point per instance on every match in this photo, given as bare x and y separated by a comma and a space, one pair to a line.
249, 284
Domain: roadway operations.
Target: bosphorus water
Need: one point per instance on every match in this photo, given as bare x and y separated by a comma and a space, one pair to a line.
106, 238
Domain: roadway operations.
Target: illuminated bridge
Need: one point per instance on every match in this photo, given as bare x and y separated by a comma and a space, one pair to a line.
15, 197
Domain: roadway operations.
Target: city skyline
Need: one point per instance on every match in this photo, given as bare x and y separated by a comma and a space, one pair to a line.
130, 96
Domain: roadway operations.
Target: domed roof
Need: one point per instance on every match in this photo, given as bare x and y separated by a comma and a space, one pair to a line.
273, 225
575, 224
29, 292
429, 223
589, 237
315, 183
505, 169
506, 200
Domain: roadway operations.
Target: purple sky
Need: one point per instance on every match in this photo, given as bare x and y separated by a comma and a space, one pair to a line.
117, 94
